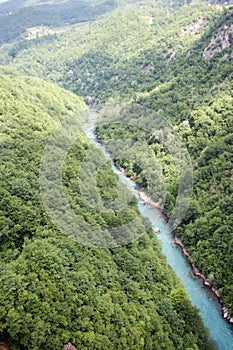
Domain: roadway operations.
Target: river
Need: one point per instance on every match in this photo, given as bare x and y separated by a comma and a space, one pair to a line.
221, 332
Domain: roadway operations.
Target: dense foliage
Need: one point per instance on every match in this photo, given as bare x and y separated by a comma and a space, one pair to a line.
196, 95
54, 290
178, 63
15, 20
175, 60
122, 53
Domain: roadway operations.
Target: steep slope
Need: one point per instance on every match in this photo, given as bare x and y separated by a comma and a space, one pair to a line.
120, 54
54, 290
195, 93
176, 62
19, 16
203, 111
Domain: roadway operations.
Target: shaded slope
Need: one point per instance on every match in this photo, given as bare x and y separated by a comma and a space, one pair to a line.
181, 66
54, 290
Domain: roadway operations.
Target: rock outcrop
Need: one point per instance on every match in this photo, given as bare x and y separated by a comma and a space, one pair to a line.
193, 28
149, 68
219, 42
171, 55
69, 346
144, 198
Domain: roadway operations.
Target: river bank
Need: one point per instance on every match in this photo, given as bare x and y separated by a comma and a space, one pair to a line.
206, 283
203, 298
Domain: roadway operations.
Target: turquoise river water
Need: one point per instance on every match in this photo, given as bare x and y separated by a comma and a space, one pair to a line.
221, 332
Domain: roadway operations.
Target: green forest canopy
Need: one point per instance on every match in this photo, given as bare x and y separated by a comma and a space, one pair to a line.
176, 66
161, 66
54, 290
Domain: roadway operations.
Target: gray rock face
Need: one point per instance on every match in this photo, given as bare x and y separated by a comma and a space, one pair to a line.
219, 42
69, 346
193, 28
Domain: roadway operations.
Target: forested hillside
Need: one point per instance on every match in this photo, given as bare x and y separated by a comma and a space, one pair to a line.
17, 16
195, 93
119, 54
54, 290
178, 62
175, 59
